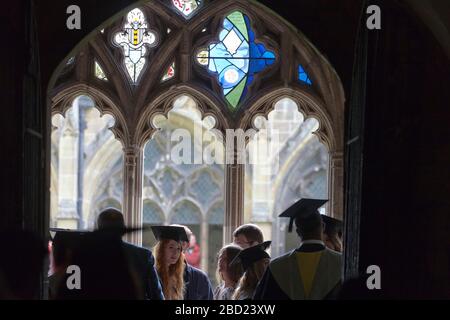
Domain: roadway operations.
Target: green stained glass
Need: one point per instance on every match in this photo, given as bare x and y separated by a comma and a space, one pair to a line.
234, 96
237, 18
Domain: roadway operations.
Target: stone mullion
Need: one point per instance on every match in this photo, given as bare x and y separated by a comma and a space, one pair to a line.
132, 197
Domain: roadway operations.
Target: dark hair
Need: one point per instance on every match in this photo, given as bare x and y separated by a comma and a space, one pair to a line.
309, 227
110, 218
251, 231
249, 281
235, 271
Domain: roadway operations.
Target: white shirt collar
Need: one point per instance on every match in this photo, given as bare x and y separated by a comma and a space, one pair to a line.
312, 242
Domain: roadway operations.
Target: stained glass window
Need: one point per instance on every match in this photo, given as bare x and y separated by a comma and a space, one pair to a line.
303, 76
236, 58
170, 73
187, 7
99, 73
133, 39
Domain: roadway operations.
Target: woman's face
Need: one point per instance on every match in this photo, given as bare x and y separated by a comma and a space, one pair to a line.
172, 252
222, 262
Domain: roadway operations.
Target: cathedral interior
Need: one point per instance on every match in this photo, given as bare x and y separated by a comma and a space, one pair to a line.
355, 115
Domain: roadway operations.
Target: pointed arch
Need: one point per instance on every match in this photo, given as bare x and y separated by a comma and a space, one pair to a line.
64, 97
135, 107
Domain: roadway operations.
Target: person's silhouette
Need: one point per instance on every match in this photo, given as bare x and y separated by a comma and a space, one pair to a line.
21, 264
141, 260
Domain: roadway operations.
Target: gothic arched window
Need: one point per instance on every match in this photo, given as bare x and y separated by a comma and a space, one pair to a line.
184, 80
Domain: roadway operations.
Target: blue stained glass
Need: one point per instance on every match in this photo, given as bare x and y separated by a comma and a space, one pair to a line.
222, 64
227, 25
223, 80
240, 36
224, 33
236, 58
303, 76
226, 91
240, 63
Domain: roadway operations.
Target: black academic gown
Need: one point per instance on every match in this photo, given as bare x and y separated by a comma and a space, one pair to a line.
143, 264
283, 281
198, 286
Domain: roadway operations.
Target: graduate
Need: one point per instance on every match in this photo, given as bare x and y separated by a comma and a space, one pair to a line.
228, 274
254, 261
196, 281
248, 235
170, 263
311, 272
63, 247
140, 259
102, 268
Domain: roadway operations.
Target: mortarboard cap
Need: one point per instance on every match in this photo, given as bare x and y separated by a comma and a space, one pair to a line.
170, 233
251, 255
332, 225
66, 235
121, 230
65, 243
303, 208
76, 235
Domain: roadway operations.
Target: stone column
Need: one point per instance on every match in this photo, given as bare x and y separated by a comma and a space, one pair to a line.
67, 217
132, 192
234, 199
204, 244
336, 185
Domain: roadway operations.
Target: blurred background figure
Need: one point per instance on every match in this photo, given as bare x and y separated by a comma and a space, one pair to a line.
248, 235
63, 247
21, 265
254, 262
170, 263
197, 284
105, 272
192, 253
141, 260
228, 274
